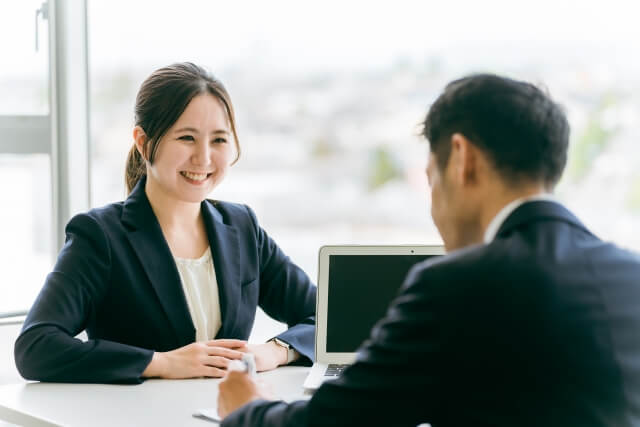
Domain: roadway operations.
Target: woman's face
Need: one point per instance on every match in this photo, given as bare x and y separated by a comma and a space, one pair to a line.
194, 155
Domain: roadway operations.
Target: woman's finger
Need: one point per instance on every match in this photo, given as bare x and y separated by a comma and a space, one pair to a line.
244, 349
224, 352
213, 372
227, 342
217, 361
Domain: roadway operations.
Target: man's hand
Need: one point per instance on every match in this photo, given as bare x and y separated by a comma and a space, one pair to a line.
236, 390
199, 359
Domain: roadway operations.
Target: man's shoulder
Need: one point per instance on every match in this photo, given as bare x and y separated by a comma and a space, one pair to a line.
525, 261
460, 261
470, 269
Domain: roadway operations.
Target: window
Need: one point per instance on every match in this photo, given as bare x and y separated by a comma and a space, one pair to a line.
44, 145
25, 157
329, 94
328, 98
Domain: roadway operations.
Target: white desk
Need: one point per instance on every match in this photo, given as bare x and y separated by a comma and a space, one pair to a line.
152, 403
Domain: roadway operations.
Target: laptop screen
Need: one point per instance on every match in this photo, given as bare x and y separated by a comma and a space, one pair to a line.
359, 292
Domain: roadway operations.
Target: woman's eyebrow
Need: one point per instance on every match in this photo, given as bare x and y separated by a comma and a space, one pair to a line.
194, 130
186, 129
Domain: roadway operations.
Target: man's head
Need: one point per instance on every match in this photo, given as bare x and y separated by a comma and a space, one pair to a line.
492, 140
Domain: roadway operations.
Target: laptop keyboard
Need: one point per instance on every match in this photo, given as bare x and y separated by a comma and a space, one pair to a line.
334, 370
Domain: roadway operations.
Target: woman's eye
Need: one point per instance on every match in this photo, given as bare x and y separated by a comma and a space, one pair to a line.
220, 140
186, 138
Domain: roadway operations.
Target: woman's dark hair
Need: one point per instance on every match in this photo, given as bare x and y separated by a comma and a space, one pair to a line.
523, 132
162, 98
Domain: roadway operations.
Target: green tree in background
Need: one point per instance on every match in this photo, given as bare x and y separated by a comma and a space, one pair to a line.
592, 141
383, 168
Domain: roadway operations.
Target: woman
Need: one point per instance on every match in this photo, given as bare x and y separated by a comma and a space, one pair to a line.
166, 283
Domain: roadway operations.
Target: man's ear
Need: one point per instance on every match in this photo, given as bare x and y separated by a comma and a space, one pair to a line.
139, 138
464, 159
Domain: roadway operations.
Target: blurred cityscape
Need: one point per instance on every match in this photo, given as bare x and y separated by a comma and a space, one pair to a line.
335, 157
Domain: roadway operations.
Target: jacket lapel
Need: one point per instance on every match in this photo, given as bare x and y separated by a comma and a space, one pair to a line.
225, 250
149, 244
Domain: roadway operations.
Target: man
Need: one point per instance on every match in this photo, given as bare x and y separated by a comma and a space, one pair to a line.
530, 320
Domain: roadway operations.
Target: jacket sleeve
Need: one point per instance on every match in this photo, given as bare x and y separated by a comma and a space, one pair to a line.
396, 380
269, 413
286, 294
46, 349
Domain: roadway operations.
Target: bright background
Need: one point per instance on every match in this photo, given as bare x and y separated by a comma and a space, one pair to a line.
329, 96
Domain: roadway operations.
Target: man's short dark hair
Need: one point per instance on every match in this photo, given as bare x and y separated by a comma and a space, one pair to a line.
521, 130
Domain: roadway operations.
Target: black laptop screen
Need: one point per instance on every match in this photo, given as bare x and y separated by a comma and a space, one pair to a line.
360, 290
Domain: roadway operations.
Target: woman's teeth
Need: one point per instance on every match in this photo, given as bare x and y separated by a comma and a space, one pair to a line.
194, 176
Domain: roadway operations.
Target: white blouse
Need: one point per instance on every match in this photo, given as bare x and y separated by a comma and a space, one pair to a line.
201, 290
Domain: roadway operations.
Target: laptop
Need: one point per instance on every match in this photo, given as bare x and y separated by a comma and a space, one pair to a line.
355, 286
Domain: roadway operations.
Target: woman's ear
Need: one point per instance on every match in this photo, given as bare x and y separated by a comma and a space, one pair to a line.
139, 138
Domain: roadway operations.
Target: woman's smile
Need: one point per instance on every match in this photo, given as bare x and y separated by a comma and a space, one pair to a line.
195, 178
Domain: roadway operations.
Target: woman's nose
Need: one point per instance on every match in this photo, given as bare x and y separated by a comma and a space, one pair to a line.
202, 156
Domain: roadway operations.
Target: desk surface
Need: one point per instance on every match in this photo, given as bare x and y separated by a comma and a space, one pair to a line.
152, 403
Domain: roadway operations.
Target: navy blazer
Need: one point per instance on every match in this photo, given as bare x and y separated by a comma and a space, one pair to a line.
541, 327
116, 278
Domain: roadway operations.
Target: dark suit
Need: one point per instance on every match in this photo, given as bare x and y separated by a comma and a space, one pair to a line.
541, 327
116, 278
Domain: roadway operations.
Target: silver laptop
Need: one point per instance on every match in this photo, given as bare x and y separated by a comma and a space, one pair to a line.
355, 286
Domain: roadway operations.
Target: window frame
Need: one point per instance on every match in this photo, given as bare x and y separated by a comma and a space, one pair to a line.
63, 134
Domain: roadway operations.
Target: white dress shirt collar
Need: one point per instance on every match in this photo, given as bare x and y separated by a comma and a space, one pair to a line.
498, 220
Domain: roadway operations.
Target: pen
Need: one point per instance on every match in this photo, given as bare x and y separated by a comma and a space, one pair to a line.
246, 364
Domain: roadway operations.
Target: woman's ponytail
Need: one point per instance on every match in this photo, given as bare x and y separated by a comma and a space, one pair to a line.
134, 169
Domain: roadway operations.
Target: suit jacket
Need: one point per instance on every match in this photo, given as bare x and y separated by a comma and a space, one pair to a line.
541, 327
116, 278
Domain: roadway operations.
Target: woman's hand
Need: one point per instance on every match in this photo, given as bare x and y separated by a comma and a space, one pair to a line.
268, 355
199, 359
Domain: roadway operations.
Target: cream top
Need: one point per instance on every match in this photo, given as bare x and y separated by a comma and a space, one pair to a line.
201, 291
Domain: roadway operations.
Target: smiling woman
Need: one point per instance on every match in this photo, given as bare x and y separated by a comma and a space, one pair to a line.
167, 283
173, 105
194, 155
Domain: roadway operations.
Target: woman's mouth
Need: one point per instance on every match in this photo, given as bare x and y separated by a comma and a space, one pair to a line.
195, 178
